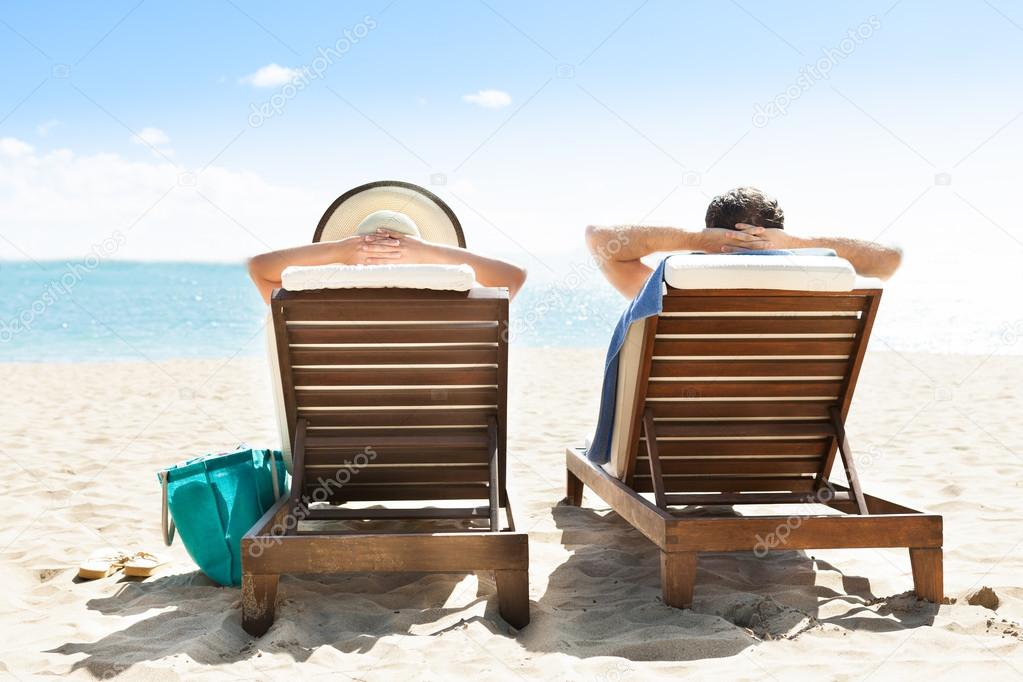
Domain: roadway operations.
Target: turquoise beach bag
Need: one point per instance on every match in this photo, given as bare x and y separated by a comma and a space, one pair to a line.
214, 500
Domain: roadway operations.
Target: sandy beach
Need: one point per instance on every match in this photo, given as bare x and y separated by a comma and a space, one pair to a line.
83, 443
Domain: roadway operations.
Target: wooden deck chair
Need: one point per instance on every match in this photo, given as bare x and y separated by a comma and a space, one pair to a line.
739, 397
394, 396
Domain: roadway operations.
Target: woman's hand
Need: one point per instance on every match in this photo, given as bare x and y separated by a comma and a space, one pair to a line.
369, 249
394, 247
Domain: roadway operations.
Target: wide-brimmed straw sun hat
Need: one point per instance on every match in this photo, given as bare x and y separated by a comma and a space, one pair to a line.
405, 207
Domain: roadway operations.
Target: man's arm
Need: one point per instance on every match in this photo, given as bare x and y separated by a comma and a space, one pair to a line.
869, 258
617, 250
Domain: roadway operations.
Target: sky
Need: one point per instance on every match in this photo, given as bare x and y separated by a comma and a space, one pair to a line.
214, 130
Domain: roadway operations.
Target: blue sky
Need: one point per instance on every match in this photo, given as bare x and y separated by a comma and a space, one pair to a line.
600, 112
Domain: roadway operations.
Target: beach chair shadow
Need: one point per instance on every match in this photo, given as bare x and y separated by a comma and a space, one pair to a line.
407, 604
613, 576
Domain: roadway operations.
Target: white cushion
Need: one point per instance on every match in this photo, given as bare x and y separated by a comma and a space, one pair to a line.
730, 271
630, 358
868, 283
277, 387
404, 276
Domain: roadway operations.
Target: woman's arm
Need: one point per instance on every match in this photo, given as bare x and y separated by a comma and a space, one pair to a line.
490, 272
385, 247
265, 269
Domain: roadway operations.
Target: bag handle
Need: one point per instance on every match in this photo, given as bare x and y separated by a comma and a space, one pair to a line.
273, 475
166, 520
273, 469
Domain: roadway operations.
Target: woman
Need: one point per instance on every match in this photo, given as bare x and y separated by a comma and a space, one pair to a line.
381, 217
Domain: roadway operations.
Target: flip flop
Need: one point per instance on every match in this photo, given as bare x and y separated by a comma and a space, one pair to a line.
143, 564
102, 563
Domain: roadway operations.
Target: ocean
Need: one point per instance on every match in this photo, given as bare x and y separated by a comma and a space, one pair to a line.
69, 312
91, 311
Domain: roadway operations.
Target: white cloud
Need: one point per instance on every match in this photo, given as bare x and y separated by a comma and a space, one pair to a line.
45, 127
152, 136
58, 204
270, 76
489, 99
13, 148
155, 139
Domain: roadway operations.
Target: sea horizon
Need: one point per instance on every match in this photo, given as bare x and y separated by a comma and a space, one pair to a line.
115, 310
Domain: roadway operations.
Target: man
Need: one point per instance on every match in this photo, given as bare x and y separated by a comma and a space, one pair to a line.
742, 219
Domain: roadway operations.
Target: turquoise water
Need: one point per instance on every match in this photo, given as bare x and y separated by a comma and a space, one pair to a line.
54, 311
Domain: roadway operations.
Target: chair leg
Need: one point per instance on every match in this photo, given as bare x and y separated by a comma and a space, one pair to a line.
678, 577
928, 575
259, 601
513, 596
574, 489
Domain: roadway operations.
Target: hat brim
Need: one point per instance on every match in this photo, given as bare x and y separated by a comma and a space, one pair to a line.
434, 218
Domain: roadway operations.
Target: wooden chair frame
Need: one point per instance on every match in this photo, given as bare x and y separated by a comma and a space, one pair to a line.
357, 367
697, 316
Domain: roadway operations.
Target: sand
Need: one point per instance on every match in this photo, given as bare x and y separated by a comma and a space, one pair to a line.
82, 443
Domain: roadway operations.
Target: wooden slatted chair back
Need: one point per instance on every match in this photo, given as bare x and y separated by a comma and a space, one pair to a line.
744, 387
397, 389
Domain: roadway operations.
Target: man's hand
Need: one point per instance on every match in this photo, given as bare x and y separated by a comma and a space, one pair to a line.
764, 238
721, 240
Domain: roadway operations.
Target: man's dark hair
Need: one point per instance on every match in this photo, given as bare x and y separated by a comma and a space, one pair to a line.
744, 205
